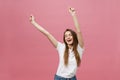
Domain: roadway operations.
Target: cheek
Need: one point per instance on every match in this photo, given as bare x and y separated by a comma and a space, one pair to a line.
65, 39
71, 37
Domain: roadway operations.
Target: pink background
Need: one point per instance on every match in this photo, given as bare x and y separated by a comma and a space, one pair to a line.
26, 54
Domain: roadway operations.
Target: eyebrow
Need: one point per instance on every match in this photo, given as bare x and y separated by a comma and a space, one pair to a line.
68, 34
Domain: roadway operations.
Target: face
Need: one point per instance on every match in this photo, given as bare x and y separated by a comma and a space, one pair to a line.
68, 38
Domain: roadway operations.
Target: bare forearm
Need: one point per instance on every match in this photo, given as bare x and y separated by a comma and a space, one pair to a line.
46, 33
76, 23
77, 26
79, 34
41, 29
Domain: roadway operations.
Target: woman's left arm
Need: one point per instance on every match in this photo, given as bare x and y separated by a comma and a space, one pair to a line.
77, 26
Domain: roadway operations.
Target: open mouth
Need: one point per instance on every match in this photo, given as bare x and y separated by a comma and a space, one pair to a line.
69, 40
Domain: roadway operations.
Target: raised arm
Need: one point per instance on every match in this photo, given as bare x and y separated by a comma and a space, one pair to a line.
42, 30
77, 26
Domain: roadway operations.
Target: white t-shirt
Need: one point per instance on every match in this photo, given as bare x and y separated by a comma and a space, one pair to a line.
69, 70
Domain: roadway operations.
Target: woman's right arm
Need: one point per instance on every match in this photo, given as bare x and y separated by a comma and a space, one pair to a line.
45, 32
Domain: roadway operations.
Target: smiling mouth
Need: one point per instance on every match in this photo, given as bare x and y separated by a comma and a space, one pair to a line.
69, 40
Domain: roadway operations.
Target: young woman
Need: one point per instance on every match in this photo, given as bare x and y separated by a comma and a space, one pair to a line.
70, 52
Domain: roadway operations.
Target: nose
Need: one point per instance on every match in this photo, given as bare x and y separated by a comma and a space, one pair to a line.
68, 38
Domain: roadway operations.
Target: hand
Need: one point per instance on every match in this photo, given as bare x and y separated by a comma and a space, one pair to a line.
72, 11
32, 19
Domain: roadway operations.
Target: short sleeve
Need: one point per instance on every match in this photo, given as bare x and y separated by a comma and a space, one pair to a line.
80, 50
59, 45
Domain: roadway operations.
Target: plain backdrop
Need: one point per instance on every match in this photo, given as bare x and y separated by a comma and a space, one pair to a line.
26, 54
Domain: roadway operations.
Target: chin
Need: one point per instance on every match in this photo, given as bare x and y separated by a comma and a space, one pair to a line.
70, 43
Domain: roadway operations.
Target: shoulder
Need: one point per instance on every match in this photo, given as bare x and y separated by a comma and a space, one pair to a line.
60, 45
80, 50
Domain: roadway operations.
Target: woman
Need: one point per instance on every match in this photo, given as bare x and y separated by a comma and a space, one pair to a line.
70, 52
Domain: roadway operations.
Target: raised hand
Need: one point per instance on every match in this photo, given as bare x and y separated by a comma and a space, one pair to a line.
72, 11
32, 19
44, 31
77, 26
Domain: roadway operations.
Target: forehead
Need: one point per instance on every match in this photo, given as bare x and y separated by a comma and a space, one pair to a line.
67, 33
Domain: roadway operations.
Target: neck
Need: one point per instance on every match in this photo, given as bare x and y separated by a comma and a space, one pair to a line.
70, 46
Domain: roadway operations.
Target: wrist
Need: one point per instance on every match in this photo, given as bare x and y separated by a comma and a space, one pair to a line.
73, 14
33, 22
